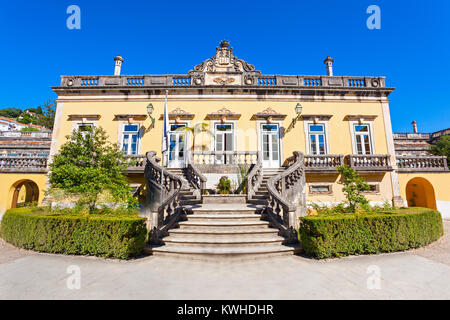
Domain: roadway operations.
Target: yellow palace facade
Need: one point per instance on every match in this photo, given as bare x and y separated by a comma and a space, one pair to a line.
225, 113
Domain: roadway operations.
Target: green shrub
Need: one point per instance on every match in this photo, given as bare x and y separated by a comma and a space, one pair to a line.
120, 235
338, 235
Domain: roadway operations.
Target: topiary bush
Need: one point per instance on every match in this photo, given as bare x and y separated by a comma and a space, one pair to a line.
325, 236
107, 235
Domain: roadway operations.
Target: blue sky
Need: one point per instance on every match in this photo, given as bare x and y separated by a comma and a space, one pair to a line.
279, 37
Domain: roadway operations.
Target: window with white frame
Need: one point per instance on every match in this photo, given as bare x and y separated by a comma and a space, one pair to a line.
363, 141
130, 139
317, 139
84, 128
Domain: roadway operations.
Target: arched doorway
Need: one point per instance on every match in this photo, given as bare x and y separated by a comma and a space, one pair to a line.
420, 193
25, 193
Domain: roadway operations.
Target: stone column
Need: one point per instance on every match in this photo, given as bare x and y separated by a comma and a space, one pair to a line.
53, 147
396, 195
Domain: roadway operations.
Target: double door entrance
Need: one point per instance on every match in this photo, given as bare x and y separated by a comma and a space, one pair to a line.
177, 146
270, 145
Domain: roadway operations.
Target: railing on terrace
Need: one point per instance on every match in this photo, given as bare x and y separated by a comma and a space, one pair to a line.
186, 80
20, 134
223, 157
136, 163
412, 136
421, 163
370, 162
23, 164
323, 162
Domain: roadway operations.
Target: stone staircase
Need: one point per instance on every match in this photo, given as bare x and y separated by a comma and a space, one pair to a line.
223, 227
260, 197
187, 196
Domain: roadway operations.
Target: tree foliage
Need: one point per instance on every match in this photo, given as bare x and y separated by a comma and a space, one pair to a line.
442, 148
47, 116
88, 165
44, 115
354, 185
10, 112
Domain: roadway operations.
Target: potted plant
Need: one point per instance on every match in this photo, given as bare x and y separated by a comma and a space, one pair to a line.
224, 185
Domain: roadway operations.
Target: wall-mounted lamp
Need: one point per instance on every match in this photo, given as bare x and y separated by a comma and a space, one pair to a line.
150, 111
298, 111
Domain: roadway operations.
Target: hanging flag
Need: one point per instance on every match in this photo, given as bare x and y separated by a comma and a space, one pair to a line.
165, 136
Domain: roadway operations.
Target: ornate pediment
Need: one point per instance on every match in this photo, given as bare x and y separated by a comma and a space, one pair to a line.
223, 114
268, 114
224, 69
178, 114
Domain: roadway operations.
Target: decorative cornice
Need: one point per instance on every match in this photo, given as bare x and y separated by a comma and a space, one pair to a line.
316, 117
84, 117
129, 117
360, 117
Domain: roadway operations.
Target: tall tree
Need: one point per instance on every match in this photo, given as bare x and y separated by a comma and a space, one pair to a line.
47, 116
88, 165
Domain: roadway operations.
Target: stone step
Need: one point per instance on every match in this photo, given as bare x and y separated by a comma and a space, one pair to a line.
213, 225
221, 233
208, 242
260, 196
189, 202
225, 199
193, 252
261, 193
258, 201
186, 196
223, 217
223, 210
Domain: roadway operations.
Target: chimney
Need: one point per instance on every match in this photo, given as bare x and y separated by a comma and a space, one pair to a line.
329, 62
118, 65
414, 124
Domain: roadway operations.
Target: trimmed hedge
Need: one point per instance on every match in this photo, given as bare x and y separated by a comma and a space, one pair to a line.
117, 236
349, 234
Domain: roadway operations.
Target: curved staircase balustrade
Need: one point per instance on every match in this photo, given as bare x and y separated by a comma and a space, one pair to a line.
254, 179
169, 209
287, 198
196, 179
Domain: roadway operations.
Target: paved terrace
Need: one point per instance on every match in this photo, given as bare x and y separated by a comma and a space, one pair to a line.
417, 274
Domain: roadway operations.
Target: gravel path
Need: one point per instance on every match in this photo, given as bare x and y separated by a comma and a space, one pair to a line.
417, 274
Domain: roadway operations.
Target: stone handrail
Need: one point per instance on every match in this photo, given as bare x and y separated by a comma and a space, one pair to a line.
163, 197
196, 179
422, 163
287, 199
254, 178
370, 162
23, 164
323, 162
221, 157
255, 80
136, 162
